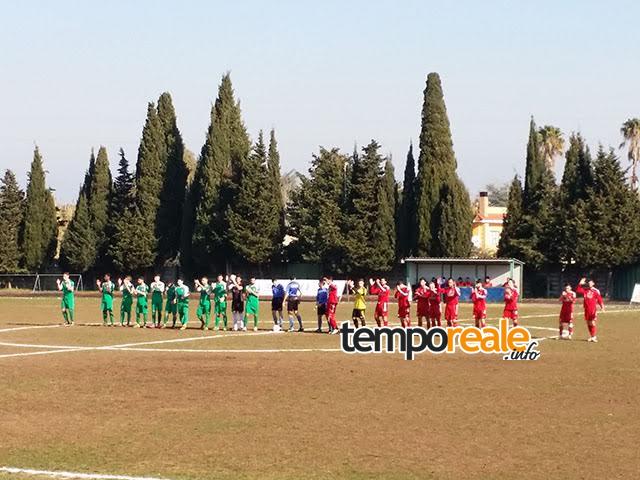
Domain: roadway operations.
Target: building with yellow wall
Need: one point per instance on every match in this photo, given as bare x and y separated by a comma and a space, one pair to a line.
487, 224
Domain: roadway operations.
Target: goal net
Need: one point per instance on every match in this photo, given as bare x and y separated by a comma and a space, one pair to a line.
36, 282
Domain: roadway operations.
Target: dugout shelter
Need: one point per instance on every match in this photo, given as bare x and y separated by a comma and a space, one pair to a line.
498, 269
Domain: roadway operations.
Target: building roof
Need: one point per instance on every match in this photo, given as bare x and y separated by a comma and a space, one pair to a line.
500, 261
491, 217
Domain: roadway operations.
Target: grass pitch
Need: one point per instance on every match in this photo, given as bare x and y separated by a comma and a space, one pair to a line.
245, 406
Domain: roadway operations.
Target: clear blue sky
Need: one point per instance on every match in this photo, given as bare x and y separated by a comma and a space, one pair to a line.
79, 74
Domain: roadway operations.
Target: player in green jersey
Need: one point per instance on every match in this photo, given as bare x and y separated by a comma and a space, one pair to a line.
220, 302
106, 287
157, 290
142, 290
127, 289
170, 306
67, 287
182, 303
204, 306
252, 304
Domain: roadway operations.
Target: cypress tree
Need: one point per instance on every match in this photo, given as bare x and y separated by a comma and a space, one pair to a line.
122, 205
39, 228
316, 213
172, 198
78, 250
123, 187
11, 209
150, 175
384, 235
607, 221
99, 202
535, 167
454, 216
436, 165
511, 222
253, 221
188, 215
273, 167
407, 208
226, 147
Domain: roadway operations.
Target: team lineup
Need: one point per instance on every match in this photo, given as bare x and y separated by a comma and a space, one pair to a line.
170, 301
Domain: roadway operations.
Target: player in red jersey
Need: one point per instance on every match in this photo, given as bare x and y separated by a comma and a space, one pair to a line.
451, 298
479, 299
511, 302
435, 296
380, 288
422, 296
568, 299
403, 293
332, 306
592, 299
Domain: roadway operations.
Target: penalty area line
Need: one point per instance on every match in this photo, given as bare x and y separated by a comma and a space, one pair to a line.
79, 475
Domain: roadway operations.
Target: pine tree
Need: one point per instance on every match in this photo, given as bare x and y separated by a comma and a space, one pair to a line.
122, 204
78, 250
273, 166
123, 187
99, 202
316, 215
253, 221
436, 165
11, 209
172, 198
150, 175
39, 226
511, 222
216, 181
407, 209
607, 221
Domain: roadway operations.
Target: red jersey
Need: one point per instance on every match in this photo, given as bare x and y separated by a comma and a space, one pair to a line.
451, 295
333, 294
567, 299
511, 300
435, 296
382, 291
592, 299
479, 298
402, 294
422, 295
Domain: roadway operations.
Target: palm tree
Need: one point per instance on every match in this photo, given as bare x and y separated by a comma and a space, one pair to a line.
631, 134
551, 145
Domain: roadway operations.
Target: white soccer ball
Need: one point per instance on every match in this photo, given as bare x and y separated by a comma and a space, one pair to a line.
565, 334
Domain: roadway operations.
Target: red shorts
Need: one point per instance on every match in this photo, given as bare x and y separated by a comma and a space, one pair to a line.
451, 312
382, 310
566, 317
510, 314
434, 311
404, 311
591, 316
423, 309
479, 313
331, 309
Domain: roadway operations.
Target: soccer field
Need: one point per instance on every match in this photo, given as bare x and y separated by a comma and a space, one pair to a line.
193, 405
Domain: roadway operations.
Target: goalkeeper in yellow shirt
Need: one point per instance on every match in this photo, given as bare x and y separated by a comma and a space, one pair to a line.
359, 302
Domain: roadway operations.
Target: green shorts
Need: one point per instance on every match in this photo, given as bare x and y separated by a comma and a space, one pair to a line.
220, 308
156, 302
106, 304
182, 309
126, 306
67, 303
141, 308
203, 309
171, 307
252, 308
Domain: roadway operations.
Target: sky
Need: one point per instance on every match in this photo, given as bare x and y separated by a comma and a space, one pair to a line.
77, 75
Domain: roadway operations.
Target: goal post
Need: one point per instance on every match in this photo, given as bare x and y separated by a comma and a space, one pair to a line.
635, 296
36, 282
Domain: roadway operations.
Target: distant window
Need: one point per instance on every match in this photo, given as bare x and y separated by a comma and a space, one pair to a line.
494, 237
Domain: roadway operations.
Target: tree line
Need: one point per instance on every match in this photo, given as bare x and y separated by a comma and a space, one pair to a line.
228, 209
590, 220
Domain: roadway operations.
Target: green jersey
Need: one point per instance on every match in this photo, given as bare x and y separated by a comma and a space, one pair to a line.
220, 292
107, 289
182, 294
67, 289
205, 294
171, 293
127, 293
141, 293
157, 289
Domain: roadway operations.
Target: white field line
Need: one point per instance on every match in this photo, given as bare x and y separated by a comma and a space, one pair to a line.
36, 345
61, 474
257, 350
15, 329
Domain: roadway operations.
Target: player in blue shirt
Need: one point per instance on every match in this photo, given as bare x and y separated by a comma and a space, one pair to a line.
321, 303
277, 298
292, 297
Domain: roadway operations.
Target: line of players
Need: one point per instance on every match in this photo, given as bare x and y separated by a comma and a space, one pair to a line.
245, 303
429, 298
